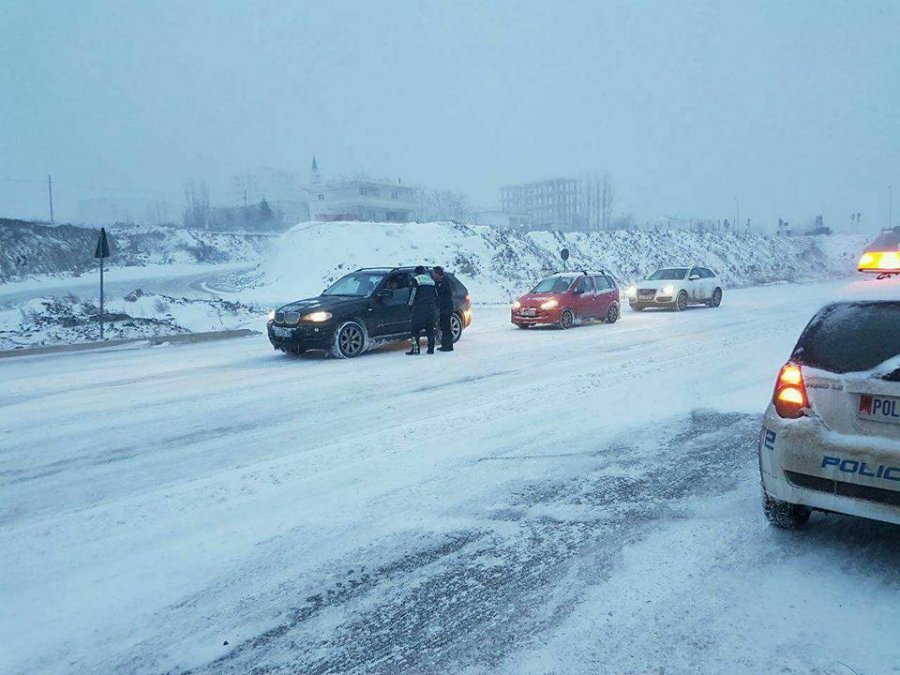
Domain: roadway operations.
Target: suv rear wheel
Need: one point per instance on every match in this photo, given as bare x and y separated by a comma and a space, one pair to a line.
349, 340
784, 514
455, 327
716, 299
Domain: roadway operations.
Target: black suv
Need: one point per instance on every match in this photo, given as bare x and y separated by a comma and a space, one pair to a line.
364, 309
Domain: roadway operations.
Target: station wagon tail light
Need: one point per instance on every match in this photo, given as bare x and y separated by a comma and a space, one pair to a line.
790, 393
550, 304
880, 261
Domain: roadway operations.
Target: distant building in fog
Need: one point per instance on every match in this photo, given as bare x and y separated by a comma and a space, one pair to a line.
563, 203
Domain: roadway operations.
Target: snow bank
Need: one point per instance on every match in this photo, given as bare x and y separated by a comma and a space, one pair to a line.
497, 265
29, 249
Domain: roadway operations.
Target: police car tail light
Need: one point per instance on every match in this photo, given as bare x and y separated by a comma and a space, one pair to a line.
790, 393
880, 261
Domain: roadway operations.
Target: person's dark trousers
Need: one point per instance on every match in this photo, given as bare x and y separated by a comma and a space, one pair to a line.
446, 333
429, 334
428, 328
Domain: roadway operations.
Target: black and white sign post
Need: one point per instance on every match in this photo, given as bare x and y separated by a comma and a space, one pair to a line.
102, 251
564, 254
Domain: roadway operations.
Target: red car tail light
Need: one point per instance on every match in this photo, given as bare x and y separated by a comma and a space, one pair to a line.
790, 397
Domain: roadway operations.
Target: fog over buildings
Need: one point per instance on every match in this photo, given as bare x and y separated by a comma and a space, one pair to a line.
702, 109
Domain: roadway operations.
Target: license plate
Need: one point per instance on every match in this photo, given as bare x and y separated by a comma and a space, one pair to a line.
530, 311
879, 408
282, 332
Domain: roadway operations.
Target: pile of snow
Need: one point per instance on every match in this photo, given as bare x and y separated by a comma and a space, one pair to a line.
28, 249
70, 319
497, 265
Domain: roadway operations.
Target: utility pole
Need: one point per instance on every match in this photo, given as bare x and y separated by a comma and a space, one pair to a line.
890, 206
737, 212
50, 194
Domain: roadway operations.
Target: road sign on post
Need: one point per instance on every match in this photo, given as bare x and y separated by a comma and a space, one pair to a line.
564, 254
102, 251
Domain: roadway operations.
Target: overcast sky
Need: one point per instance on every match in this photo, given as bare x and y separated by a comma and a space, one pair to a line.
792, 108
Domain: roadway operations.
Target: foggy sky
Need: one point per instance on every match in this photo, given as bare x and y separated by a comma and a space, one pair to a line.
790, 108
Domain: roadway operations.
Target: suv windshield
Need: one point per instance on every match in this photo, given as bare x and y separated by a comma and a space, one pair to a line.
850, 337
359, 284
671, 274
553, 285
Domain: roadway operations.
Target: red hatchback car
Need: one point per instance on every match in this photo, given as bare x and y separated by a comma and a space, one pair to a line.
563, 299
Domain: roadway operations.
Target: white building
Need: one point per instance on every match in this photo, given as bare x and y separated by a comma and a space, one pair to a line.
361, 199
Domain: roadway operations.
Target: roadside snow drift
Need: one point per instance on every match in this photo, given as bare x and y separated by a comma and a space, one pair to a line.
499, 264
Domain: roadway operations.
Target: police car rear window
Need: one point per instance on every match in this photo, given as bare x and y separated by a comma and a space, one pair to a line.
851, 337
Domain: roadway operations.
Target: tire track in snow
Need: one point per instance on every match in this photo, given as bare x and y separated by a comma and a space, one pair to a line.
483, 594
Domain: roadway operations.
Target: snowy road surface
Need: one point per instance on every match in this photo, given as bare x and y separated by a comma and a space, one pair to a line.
537, 502
182, 280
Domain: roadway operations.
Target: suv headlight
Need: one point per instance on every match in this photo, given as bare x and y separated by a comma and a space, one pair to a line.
668, 290
550, 304
271, 315
317, 317
631, 291
516, 304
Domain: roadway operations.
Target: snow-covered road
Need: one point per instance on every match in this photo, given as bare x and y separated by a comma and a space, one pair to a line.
536, 502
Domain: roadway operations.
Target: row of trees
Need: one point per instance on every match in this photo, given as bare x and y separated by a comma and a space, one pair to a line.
198, 214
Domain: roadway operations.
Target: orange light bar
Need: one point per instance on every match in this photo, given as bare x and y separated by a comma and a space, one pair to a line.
879, 261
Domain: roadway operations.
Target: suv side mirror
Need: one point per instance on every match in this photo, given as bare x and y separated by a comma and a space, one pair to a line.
385, 293
693, 277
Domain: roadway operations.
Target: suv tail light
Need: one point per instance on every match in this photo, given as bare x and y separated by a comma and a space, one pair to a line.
790, 393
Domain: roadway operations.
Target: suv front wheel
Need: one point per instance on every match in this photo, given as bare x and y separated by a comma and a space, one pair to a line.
349, 340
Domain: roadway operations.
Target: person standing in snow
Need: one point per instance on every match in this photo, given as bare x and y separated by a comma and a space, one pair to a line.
444, 289
423, 300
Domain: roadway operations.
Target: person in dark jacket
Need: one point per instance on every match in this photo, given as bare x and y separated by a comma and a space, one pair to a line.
445, 307
423, 300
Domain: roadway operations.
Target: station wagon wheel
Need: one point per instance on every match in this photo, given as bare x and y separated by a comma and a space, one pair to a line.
349, 341
716, 298
681, 302
612, 314
567, 319
455, 327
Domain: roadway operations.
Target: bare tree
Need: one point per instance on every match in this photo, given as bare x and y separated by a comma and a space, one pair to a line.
445, 205
607, 201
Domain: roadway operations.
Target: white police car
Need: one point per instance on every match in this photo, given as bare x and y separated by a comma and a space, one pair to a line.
676, 288
831, 435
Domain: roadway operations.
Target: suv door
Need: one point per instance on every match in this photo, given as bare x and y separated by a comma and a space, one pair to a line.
709, 281
583, 297
394, 315
695, 287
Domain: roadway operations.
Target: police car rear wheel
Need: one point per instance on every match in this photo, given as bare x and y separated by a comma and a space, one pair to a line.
784, 514
566, 320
